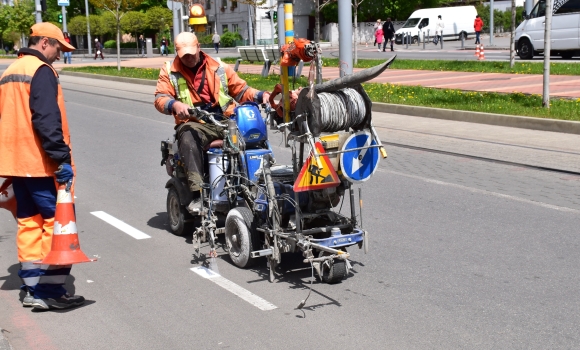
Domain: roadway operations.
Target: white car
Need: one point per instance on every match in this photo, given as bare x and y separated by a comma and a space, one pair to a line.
565, 34
458, 21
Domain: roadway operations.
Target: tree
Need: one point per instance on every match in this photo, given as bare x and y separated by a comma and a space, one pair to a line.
77, 25
98, 25
134, 22
158, 18
319, 5
254, 4
118, 8
5, 14
22, 18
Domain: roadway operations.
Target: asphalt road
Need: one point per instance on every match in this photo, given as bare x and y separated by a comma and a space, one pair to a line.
464, 254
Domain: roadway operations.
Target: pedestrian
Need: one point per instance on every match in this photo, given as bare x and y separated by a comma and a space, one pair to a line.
142, 45
67, 55
164, 48
216, 42
98, 49
477, 25
35, 151
196, 79
389, 33
376, 26
379, 37
439, 25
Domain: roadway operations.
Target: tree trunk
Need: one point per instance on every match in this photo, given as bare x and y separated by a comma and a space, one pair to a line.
355, 33
513, 36
317, 20
118, 41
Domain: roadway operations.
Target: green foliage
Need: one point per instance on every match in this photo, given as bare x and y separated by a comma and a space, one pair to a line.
502, 20
98, 25
112, 44
205, 39
228, 39
159, 18
134, 22
22, 17
77, 25
370, 11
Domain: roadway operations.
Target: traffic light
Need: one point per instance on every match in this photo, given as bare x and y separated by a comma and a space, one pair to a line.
268, 16
275, 17
60, 18
197, 19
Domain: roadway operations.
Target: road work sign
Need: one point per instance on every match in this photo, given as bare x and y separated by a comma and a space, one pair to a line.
359, 164
312, 177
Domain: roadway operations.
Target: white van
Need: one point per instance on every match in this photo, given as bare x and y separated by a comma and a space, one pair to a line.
565, 35
458, 22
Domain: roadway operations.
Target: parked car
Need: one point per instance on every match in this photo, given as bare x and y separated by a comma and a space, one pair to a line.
564, 37
458, 22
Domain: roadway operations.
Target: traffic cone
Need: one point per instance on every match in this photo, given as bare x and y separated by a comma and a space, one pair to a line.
66, 249
481, 54
477, 50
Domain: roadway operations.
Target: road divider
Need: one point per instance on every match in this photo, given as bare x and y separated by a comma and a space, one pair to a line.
113, 221
234, 288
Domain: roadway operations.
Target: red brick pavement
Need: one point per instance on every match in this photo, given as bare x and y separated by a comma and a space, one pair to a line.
560, 85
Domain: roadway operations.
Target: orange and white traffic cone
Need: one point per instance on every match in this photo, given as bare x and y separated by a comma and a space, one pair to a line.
481, 54
66, 249
477, 50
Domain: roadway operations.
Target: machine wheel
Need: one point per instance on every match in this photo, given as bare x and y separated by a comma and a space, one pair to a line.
335, 273
525, 49
177, 214
241, 236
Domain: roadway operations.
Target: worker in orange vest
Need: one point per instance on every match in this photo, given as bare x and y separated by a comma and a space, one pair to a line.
36, 153
193, 78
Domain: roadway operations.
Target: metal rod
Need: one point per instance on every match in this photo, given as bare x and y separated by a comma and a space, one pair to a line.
423, 40
360, 205
352, 209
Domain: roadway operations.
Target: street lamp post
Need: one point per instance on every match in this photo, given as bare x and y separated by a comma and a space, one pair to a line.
88, 27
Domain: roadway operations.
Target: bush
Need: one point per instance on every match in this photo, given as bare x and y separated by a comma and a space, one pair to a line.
110, 44
206, 39
228, 39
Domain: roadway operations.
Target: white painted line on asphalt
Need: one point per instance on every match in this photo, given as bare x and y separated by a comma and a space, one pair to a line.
489, 193
113, 221
234, 288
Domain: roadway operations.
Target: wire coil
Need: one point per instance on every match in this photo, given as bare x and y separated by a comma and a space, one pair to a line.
341, 110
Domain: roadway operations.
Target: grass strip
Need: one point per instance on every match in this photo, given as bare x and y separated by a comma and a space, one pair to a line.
488, 102
456, 66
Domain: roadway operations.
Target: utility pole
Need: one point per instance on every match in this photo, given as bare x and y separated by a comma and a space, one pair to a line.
38, 11
491, 28
64, 29
88, 27
272, 21
345, 37
513, 36
547, 48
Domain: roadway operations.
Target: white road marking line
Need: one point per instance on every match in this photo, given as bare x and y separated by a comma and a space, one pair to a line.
113, 221
234, 288
489, 193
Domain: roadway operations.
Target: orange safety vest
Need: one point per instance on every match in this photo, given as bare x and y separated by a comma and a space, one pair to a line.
21, 152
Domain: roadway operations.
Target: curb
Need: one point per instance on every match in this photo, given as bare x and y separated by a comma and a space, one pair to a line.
541, 124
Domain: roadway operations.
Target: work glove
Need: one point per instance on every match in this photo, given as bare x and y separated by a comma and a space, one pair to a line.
64, 173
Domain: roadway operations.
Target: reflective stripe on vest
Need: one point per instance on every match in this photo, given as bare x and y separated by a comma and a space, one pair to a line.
182, 91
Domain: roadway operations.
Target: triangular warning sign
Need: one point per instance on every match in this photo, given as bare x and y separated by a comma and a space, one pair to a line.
311, 177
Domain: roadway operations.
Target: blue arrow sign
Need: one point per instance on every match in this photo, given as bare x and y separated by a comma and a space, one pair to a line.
63, 2
359, 165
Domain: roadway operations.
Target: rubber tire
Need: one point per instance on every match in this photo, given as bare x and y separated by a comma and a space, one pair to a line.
336, 273
567, 55
414, 40
177, 214
240, 222
525, 49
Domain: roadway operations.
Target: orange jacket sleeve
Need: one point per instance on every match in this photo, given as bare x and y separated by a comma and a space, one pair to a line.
164, 92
